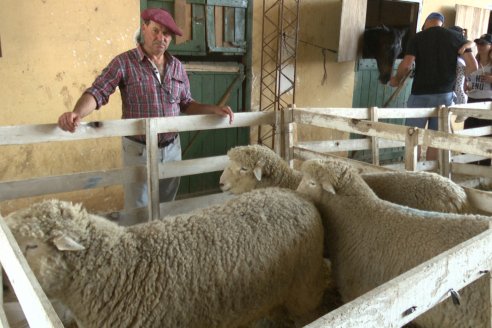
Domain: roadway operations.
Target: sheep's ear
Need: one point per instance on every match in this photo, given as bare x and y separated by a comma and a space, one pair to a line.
328, 187
64, 243
258, 170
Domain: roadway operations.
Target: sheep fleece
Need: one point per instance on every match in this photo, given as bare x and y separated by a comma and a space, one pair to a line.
222, 266
371, 241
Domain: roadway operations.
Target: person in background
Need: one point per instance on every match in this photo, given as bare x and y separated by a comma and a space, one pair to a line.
460, 96
434, 51
152, 83
479, 86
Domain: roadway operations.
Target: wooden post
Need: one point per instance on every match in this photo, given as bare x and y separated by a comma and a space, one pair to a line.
490, 286
3, 317
26, 287
286, 132
373, 113
444, 154
152, 168
411, 148
277, 129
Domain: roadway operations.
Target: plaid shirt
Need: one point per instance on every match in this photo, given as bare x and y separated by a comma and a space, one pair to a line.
142, 94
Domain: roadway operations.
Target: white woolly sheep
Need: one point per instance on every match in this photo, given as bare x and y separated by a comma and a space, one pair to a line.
222, 266
256, 166
371, 241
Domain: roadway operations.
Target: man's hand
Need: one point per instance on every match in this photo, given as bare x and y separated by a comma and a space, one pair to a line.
225, 111
394, 82
69, 121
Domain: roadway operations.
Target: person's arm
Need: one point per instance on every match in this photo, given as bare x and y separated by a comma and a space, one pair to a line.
195, 108
471, 64
69, 121
404, 67
464, 48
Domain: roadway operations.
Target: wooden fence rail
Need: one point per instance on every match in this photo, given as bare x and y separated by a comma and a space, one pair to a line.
343, 119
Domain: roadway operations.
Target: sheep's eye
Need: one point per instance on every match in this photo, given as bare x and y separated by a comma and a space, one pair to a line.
243, 170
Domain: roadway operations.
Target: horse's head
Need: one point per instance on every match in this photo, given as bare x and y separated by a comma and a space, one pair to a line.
385, 45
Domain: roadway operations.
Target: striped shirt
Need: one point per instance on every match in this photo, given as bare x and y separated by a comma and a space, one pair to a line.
142, 92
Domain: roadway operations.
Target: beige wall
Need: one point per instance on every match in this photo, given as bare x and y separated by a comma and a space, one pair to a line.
55, 48
50, 54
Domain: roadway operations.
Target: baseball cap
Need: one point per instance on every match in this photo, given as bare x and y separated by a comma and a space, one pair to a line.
162, 17
435, 15
486, 38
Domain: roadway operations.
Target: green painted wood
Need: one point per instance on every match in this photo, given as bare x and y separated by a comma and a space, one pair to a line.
228, 3
210, 87
235, 17
369, 92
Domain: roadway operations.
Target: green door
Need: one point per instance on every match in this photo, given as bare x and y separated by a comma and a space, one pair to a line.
214, 31
209, 87
369, 92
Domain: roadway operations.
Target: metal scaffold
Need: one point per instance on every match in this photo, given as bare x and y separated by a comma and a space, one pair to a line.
278, 60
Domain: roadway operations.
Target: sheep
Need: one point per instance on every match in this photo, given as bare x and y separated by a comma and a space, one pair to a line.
222, 266
371, 241
256, 166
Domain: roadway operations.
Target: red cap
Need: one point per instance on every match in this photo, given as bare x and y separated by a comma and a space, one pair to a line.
162, 17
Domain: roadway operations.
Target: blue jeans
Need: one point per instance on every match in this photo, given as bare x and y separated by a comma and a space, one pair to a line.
424, 101
134, 153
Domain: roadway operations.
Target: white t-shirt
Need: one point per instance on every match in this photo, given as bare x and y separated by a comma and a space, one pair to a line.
480, 89
460, 97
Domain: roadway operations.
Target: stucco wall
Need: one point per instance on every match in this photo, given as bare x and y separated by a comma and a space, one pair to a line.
53, 49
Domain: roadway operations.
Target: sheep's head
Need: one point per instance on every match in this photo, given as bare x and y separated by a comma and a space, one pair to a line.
322, 178
250, 167
44, 232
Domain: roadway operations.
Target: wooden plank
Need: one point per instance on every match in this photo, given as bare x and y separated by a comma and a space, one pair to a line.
229, 24
411, 149
23, 134
3, 318
444, 154
471, 169
219, 26
383, 113
467, 158
192, 166
480, 199
374, 140
69, 182
352, 23
347, 145
182, 17
27, 289
430, 138
153, 158
31, 134
210, 121
228, 3
239, 27
420, 288
474, 19
212, 67
476, 132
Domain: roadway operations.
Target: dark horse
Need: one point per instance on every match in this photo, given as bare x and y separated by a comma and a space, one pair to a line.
384, 44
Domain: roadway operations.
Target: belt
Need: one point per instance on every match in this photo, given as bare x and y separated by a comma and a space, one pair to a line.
161, 144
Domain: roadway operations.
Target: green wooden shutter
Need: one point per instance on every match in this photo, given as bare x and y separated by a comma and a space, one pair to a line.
369, 92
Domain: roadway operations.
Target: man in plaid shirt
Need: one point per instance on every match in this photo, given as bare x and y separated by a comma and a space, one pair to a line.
152, 83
